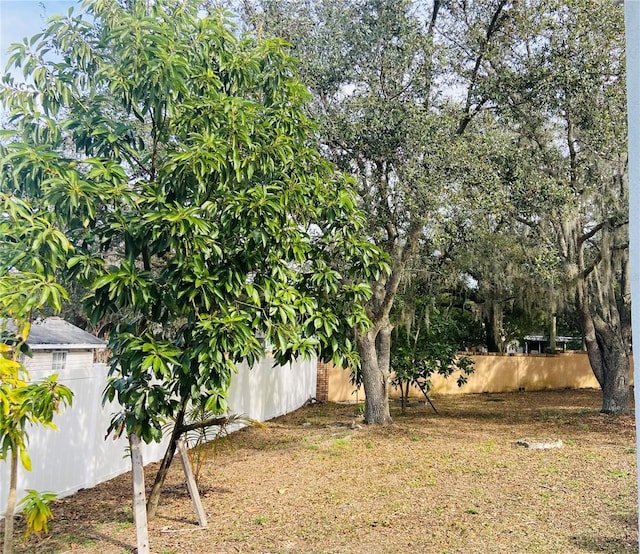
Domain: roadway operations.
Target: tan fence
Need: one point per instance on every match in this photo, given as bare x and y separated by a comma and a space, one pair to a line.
493, 373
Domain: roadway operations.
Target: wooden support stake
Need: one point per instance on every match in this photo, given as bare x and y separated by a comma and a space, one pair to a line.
139, 499
427, 397
191, 483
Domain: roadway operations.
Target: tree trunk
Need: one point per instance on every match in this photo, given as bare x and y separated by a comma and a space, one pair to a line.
553, 331
163, 470
405, 397
493, 326
375, 345
625, 299
614, 367
615, 390
375, 375
11, 505
139, 511
607, 354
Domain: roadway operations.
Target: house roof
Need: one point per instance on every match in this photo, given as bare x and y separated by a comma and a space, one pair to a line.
55, 332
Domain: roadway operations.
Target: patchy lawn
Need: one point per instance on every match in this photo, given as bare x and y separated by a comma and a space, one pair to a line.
317, 481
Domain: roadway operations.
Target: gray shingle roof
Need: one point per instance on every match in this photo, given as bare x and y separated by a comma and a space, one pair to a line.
55, 332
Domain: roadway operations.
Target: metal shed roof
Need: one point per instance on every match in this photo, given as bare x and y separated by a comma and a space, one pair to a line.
542, 338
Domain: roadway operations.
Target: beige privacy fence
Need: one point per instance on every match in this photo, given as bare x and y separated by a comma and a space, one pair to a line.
78, 455
493, 373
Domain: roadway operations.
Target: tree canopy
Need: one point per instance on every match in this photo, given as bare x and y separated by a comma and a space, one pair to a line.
177, 156
397, 87
480, 134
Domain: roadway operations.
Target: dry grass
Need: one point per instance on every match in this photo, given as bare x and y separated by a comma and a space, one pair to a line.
313, 481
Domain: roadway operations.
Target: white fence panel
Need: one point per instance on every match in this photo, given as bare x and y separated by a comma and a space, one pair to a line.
267, 391
78, 456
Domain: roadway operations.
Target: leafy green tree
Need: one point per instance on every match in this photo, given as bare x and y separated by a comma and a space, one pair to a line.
396, 86
534, 208
506, 252
563, 91
31, 248
179, 157
430, 345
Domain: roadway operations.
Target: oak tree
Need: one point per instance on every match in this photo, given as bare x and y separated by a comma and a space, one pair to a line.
396, 86
562, 90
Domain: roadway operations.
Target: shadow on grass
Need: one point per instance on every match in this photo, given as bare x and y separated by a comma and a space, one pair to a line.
610, 545
564, 407
78, 520
82, 535
183, 520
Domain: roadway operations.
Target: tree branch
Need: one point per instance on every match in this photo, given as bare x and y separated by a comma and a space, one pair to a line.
203, 424
399, 265
494, 25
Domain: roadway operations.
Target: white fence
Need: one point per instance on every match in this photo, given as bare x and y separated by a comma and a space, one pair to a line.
78, 456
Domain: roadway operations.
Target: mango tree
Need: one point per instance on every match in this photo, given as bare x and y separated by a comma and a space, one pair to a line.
180, 157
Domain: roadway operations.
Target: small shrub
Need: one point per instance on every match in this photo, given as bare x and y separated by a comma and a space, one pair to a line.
35, 506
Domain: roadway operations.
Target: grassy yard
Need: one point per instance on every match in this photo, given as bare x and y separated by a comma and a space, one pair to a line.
317, 481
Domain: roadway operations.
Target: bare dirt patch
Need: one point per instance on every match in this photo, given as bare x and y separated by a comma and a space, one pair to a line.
314, 481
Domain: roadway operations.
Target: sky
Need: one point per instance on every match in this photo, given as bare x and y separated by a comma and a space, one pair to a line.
25, 18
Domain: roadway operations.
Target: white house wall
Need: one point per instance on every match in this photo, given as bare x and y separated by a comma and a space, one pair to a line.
39, 364
77, 455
